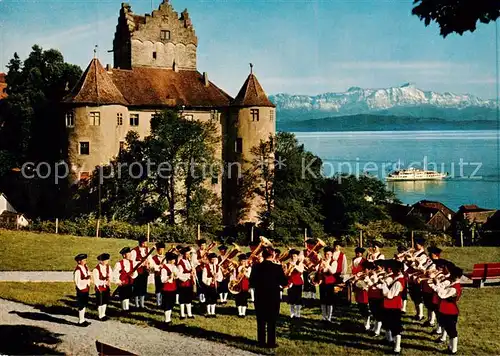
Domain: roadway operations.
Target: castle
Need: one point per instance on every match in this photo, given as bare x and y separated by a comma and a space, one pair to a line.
155, 69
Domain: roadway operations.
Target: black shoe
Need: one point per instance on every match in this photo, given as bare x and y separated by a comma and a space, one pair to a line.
427, 323
439, 341
241, 316
104, 318
190, 316
84, 324
182, 317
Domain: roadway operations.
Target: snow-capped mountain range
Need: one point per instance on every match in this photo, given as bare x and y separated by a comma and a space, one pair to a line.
403, 100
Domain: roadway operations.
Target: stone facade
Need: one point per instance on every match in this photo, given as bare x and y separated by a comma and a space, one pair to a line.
160, 39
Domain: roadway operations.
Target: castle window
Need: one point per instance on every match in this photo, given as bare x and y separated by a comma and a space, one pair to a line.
255, 114
95, 118
238, 145
70, 119
154, 55
84, 148
134, 119
271, 115
119, 119
165, 34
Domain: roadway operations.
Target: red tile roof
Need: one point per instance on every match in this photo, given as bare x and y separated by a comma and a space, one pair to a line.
3, 86
434, 205
252, 94
144, 86
95, 87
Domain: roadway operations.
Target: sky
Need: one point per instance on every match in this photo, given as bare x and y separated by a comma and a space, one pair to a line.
296, 46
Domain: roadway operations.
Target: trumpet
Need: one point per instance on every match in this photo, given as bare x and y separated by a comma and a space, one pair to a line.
405, 253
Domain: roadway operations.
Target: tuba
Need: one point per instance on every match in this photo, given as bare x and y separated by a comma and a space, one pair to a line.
311, 260
227, 264
264, 242
235, 284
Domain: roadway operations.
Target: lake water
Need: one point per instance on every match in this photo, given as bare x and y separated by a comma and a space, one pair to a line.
470, 157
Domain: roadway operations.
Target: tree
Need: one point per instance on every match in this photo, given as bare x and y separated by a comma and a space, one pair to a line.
32, 129
456, 15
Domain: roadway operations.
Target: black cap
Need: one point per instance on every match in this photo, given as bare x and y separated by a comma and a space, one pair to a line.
359, 250
311, 241
169, 256
242, 257
140, 240
293, 252
103, 257
160, 245
420, 241
212, 255
456, 272
185, 250
179, 247
253, 243
395, 265
201, 242
80, 256
376, 243
433, 250
327, 249
383, 263
222, 248
248, 254
124, 250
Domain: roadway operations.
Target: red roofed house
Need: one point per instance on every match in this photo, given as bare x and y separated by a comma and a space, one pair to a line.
3, 86
155, 69
435, 214
474, 214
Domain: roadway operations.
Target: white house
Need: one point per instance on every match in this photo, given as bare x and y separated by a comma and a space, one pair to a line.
9, 215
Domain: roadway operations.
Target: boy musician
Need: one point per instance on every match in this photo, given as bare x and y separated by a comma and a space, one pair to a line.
168, 278
400, 257
441, 280
211, 277
198, 261
294, 273
393, 303
417, 260
327, 280
102, 281
157, 262
242, 275
309, 289
448, 307
427, 290
140, 289
360, 269
375, 295
186, 279
223, 286
374, 252
81, 277
124, 277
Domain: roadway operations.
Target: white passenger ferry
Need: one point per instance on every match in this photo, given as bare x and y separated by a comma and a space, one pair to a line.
415, 174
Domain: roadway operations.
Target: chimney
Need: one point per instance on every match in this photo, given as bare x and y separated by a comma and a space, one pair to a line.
205, 79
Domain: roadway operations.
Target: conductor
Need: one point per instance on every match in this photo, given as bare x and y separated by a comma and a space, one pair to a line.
266, 278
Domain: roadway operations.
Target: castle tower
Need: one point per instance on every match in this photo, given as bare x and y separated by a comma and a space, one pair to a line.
253, 118
161, 39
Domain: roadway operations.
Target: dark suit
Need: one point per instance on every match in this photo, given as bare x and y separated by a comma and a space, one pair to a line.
267, 278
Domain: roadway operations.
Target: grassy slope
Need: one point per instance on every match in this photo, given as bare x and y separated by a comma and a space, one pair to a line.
27, 251
478, 324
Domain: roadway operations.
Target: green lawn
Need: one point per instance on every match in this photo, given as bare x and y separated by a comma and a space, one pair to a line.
28, 251
478, 324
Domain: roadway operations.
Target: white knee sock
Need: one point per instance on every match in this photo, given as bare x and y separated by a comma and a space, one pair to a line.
443, 336
397, 343
454, 344
403, 309
225, 297
221, 297
244, 310
142, 298
281, 295
183, 307
329, 310
388, 336
202, 298
439, 330
433, 318
136, 302
323, 311
213, 309
188, 309
292, 311
124, 305
297, 310
240, 310
252, 295
127, 304
158, 299
168, 316
81, 315
367, 324
378, 328
209, 309
104, 310
99, 311
420, 310
177, 299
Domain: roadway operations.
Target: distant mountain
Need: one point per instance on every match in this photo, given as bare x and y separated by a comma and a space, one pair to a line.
367, 122
406, 100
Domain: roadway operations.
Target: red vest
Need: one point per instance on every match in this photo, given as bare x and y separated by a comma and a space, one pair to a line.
327, 277
211, 275
157, 261
375, 293
138, 258
184, 269
169, 286
295, 278
340, 262
397, 301
103, 288
361, 295
83, 277
125, 278
426, 288
359, 267
449, 306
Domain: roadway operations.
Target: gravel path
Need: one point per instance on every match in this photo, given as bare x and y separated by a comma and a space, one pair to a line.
76, 340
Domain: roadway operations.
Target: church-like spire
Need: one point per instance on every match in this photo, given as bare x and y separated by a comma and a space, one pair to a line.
251, 93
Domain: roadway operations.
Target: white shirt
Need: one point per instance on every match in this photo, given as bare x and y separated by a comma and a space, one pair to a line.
81, 283
395, 288
157, 266
126, 268
183, 277
357, 261
372, 257
216, 273
104, 272
169, 277
237, 271
446, 292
